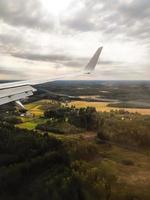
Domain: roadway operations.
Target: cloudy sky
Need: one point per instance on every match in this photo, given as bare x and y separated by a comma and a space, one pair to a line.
42, 38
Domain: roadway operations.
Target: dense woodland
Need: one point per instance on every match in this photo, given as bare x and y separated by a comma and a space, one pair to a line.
36, 165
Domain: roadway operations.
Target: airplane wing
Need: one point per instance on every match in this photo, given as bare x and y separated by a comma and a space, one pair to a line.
18, 90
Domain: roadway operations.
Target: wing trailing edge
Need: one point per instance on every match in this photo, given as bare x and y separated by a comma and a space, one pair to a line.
16, 93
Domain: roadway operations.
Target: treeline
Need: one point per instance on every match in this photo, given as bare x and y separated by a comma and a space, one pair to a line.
120, 126
124, 128
129, 105
64, 119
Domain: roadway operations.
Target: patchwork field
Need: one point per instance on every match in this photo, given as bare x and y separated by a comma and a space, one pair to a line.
36, 111
34, 115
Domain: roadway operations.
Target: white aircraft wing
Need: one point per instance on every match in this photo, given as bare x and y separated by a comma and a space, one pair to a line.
18, 90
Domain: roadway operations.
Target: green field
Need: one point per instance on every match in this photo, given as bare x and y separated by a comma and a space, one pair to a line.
34, 116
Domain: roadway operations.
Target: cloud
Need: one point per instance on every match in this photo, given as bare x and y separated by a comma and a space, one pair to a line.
31, 36
25, 14
66, 60
11, 74
79, 20
128, 18
40, 57
10, 42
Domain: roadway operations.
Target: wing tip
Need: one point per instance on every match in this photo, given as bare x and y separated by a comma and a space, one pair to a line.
93, 61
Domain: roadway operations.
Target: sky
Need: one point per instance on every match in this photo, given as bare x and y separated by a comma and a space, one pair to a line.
44, 38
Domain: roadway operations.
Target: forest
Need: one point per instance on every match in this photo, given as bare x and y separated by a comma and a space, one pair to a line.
74, 154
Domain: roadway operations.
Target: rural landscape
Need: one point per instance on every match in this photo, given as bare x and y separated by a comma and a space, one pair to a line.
90, 142
75, 100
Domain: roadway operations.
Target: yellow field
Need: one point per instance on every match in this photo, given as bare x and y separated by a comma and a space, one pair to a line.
35, 107
102, 106
36, 111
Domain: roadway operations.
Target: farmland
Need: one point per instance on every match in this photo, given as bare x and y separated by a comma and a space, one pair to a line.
103, 107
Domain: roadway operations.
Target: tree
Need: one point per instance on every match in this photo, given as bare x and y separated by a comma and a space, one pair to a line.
97, 181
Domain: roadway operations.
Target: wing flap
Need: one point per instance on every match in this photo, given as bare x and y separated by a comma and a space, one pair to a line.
17, 93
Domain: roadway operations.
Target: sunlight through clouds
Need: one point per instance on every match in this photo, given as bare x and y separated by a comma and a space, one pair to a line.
55, 6
43, 36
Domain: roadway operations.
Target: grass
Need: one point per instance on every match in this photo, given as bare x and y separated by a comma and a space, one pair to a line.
67, 138
103, 107
132, 179
27, 125
30, 122
36, 107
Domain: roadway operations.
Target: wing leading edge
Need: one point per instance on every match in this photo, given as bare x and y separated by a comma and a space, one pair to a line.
16, 91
